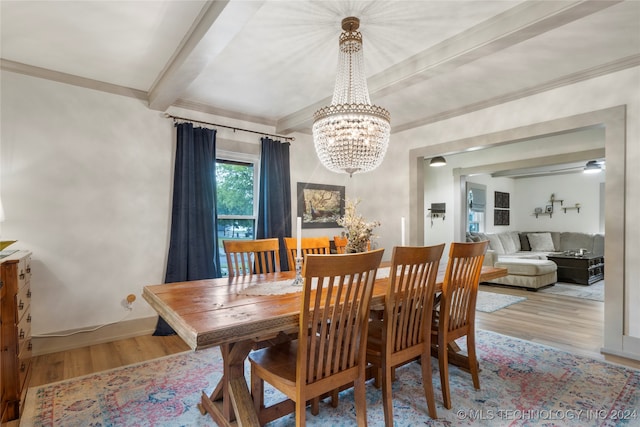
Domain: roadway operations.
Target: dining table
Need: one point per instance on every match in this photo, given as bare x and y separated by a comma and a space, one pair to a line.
242, 313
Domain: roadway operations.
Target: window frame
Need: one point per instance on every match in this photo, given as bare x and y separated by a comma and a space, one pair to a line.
232, 156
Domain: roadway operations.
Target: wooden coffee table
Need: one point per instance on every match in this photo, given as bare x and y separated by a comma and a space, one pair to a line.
581, 269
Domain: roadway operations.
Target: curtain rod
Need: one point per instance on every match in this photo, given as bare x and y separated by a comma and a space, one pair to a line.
290, 138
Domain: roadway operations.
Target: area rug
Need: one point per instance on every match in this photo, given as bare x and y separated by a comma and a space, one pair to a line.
488, 302
522, 384
593, 292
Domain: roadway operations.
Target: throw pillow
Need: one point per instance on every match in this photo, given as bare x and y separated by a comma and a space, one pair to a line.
524, 242
541, 242
507, 243
495, 243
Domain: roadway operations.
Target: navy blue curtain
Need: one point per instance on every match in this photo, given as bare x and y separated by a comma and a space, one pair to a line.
274, 207
193, 248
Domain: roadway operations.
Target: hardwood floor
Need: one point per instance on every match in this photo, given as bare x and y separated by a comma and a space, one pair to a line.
572, 324
59, 366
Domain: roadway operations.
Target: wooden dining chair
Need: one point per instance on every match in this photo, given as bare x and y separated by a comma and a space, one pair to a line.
331, 349
340, 243
404, 332
246, 257
309, 245
456, 315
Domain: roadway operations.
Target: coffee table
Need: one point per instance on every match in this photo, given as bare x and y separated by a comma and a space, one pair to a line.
582, 269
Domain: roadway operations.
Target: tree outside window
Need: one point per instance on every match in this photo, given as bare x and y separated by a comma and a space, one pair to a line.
236, 196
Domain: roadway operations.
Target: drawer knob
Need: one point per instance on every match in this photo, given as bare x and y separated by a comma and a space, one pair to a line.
23, 367
21, 276
20, 305
29, 293
30, 346
29, 318
21, 334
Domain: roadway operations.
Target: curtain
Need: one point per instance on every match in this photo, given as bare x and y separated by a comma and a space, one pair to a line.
193, 247
274, 207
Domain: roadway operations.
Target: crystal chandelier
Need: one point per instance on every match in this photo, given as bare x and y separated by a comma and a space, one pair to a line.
351, 135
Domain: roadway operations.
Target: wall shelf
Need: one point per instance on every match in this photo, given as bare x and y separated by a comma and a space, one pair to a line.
551, 207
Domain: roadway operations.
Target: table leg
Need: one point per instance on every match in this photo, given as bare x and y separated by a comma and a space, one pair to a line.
231, 400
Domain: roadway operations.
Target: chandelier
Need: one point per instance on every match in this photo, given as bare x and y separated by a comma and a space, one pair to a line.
351, 135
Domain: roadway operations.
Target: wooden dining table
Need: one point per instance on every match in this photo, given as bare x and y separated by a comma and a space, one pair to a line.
228, 312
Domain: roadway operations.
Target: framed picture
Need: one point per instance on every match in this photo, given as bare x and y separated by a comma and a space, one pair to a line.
501, 217
549, 209
501, 200
320, 205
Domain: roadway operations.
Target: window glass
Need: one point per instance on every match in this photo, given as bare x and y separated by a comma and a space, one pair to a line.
236, 183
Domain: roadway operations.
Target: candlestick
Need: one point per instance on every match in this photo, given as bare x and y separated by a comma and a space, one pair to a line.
402, 231
298, 280
299, 237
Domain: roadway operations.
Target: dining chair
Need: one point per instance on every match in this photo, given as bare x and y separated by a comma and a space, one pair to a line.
340, 243
330, 351
246, 257
308, 245
455, 317
404, 332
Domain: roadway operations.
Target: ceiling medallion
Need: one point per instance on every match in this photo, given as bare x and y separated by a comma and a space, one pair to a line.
351, 135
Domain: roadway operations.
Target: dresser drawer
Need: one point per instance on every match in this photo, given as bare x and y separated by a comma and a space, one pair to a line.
23, 301
24, 271
24, 374
24, 330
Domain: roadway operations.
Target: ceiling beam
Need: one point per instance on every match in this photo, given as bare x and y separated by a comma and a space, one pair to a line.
522, 22
216, 25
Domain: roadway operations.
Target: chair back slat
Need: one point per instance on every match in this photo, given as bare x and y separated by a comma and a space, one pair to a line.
410, 295
246, 257
334, 315
340, 243
309, 245
460, 287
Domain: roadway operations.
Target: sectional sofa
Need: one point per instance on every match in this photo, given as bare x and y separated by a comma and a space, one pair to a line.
524, 254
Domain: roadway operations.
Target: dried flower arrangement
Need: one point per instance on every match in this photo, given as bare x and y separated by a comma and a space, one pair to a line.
359, 230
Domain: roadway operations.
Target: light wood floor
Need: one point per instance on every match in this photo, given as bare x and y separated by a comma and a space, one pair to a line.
572, 324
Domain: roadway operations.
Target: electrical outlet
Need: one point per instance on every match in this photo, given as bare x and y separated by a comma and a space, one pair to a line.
127, 303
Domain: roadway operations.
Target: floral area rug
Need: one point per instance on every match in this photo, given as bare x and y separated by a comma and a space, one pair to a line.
522, 384
488, 302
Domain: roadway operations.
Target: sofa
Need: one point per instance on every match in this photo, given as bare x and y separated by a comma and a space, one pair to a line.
524, 254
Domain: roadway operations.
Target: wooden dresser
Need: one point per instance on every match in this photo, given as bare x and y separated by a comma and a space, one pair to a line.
15, 332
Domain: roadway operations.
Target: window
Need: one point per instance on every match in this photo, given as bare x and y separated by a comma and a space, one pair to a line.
476, 201
237, 201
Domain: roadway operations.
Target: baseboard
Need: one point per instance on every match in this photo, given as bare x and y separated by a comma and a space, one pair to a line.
626, 355
80, 338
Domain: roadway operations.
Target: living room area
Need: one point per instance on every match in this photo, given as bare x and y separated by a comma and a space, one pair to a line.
535, 188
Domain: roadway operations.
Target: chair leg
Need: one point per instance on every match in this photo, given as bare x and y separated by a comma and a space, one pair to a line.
315, 406
427, 382
443, 362
301, 413
361, 401
334, 398
387, 398
473, 361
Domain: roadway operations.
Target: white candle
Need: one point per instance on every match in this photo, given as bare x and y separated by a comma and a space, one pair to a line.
299, 236
402, 230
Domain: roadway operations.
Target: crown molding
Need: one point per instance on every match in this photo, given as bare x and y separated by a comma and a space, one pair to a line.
590, 73
229, 114
57, 76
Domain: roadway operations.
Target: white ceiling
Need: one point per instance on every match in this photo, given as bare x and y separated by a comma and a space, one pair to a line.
274, 61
